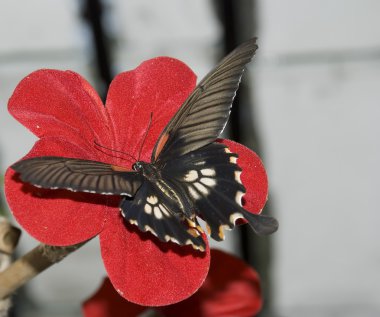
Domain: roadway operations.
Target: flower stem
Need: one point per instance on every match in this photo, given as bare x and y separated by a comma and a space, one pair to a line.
31, 264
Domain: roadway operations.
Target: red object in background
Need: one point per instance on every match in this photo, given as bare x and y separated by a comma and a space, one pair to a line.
67, 116
232, 288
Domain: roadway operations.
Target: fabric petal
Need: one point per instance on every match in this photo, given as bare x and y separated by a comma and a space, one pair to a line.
157, 87
56, 217
232, 288
59, 103
106, 302
253, 176
146, 271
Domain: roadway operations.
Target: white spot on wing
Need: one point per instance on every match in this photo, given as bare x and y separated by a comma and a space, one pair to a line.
238, 197
198, 247
133, 222
208, 181
148, 209
227, 150
147, 228
191, 176
152, 200
164, 210
237, 176
233, 159
193, 193
201, 188
157, 213
228, 227
208, 172
169, 238
235, 216
200, 163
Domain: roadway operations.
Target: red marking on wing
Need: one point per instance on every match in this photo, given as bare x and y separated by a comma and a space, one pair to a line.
161, 144
120, 168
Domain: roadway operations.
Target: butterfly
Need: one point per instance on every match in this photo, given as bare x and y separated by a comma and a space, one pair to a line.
190, 175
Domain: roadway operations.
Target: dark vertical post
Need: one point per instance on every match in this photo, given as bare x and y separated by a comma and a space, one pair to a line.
239, 24
93, 14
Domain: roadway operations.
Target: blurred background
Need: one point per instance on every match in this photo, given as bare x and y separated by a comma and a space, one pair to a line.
309, 104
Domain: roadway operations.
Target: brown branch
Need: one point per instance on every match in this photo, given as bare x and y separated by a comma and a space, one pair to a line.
9, 237
31, 264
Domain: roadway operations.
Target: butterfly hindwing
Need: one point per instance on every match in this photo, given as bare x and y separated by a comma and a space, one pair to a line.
154, 212
211, 178
78, 175
204, 114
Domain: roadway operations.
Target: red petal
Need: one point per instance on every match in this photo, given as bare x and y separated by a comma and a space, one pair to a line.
158, 86
56, 217
232, 288
59, 103
106, 302
146, 271
253, 176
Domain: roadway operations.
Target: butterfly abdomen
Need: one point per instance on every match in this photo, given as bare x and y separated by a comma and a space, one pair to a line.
153, 175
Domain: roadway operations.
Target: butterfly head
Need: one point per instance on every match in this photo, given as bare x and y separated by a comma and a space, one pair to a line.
147, 170
138, 166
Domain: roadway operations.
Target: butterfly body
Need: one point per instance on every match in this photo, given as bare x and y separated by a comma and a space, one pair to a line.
190, 174
152, 174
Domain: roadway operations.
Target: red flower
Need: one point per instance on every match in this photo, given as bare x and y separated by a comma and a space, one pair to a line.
67, 116
231, 288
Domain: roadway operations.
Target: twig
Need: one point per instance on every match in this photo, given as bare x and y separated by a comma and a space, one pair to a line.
31, 264
9, 237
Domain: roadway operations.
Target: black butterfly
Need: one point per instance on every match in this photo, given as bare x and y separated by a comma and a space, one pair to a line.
189, 174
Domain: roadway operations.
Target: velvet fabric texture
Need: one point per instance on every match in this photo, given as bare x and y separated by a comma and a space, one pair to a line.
232, 288
68, 117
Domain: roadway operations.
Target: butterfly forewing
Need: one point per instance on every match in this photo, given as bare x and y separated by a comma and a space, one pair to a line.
205, 113
78, 175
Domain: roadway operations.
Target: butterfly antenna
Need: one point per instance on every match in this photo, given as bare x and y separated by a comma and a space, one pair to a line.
112, 150
146, 133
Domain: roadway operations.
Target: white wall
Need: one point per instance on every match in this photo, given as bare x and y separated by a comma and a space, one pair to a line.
318, 92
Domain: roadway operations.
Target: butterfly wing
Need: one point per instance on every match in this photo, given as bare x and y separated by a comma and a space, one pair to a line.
204, 114
78, 175
154, 212
211, 178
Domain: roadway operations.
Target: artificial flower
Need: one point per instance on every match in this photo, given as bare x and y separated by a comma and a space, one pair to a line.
232, 288
68, 117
